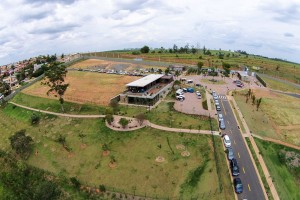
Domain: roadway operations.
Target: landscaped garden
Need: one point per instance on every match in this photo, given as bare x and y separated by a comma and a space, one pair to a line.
146, 162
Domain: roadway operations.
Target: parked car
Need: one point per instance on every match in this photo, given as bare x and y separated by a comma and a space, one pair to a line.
180, 97
238, 186
215, 97
230, 154
198, 93
227, 141
222, 124
191, 90
235, 170
189, 81
220, 116
184, 89
217, 104
218, 108
198, 85
216, 101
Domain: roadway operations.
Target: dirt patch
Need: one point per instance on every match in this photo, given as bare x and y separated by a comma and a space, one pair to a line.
112, 164
185, 153
87, 87
83, 146
105, 153
180, 147
70, 155
160, 159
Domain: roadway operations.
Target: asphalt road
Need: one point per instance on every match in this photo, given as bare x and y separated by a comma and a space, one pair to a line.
251, 187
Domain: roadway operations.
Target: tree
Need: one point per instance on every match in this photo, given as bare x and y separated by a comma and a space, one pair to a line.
175, 48
109, 118
167, 71
21, 143
177, 73
145, 49
47, 190
55, 79
204, 50
124, 122
4, 88
258, 103
253, 99
194, 50
141, 118
114, 104
35, 119
62, 56
199, 65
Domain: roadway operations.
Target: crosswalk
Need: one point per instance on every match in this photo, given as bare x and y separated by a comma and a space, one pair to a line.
222, 97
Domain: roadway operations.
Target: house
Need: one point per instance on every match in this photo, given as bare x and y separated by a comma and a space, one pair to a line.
179, 68
243, 75
147, 90
36, 67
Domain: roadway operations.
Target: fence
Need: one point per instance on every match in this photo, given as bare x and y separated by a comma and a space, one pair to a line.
261, 80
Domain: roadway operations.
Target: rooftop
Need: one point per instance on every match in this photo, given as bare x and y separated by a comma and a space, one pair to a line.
145, 80
242, 73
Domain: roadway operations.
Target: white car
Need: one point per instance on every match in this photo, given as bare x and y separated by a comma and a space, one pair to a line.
220, 116
198, 93
215, 97
227, 141
216, 101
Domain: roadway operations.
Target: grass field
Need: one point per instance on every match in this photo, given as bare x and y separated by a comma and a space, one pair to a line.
274, 118
105, 64
287, 70
285, 178
87, 87
276, 85
166, 115
134, 152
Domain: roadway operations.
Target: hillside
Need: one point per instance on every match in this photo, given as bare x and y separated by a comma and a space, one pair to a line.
274, 67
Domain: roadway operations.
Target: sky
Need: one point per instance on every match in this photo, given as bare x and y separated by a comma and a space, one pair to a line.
30, 28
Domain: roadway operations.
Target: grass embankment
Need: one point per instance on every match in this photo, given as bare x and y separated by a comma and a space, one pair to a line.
164, 114
260, 171
276, 85
283, 165
134, 153
213, 81
274, 118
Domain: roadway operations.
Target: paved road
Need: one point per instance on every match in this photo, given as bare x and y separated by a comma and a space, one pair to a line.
252, 186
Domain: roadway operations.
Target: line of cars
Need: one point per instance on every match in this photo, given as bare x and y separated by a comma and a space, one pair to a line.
234, 167
180, 93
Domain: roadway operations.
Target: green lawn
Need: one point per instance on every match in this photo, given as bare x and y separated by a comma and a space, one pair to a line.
286, 179
276, 85
164, 114
134, 152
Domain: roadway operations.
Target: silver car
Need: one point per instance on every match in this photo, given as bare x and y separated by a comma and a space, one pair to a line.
230, 154
222, 124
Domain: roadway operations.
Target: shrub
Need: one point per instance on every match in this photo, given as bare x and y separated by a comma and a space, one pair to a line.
109, 118
75, 182
35, 119
124, 122
102, 188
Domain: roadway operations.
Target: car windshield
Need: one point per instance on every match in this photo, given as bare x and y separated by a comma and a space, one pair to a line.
239, 186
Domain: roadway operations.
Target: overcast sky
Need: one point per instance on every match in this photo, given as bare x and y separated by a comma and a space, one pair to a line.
38, 27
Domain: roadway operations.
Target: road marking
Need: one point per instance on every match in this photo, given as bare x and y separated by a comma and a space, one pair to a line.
223, 107
227, 122
244, 170
239, 155
230, 131
234, 141
249, 187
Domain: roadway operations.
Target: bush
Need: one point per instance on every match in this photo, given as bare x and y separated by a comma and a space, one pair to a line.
75, 182
204, 105
124, 122
35, 119
109, 118
136, 53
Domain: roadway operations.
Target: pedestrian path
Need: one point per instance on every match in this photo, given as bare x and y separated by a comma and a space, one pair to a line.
222, 97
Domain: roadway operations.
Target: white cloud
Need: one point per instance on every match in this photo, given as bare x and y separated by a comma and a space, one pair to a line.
33, 27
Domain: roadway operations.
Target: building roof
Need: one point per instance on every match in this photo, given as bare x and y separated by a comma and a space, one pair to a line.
145, 80
242, 73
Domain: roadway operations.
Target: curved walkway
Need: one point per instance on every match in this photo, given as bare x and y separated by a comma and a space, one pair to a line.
115, 126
